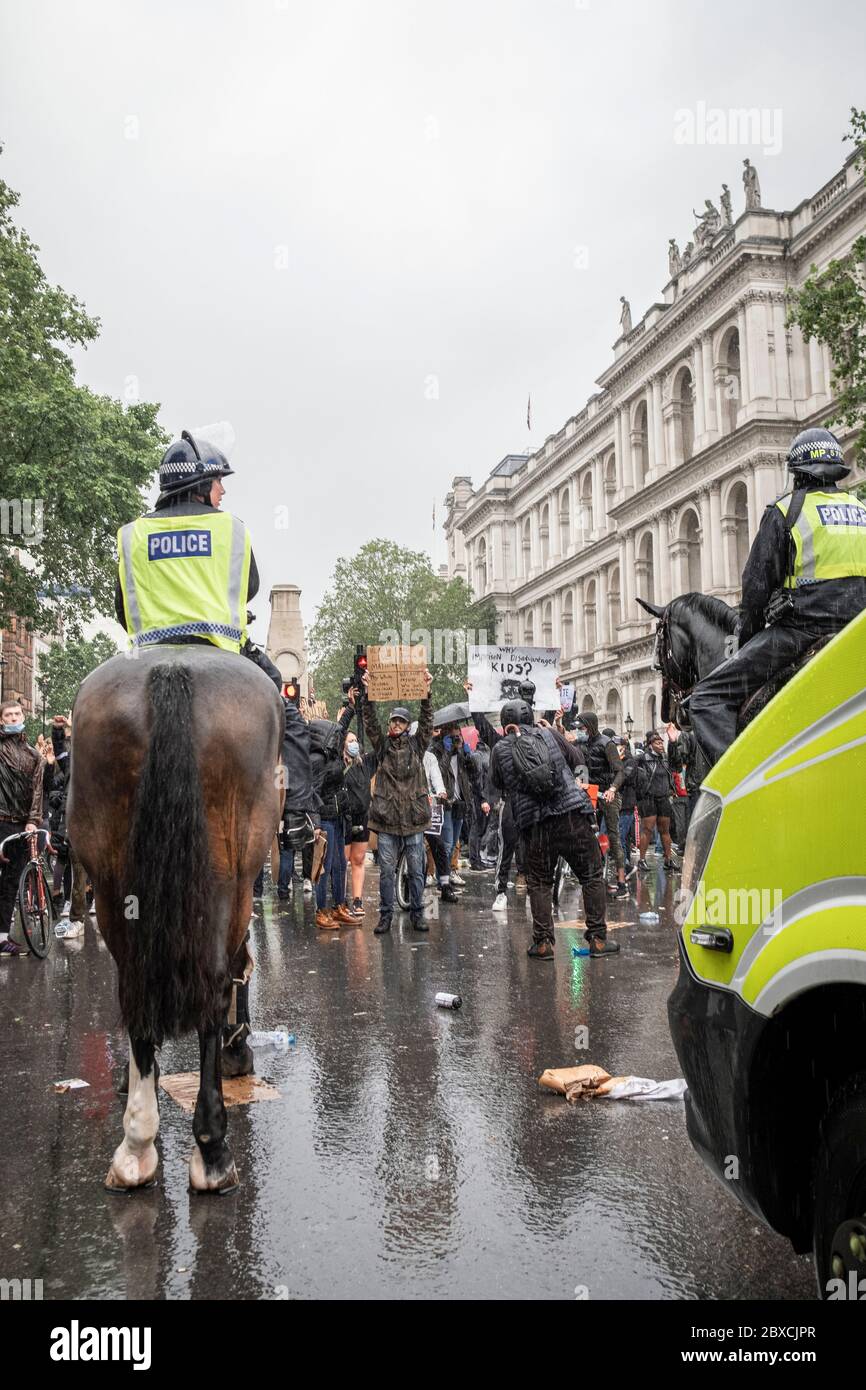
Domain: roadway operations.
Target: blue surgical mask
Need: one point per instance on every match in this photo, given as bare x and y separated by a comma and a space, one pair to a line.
353, 749
13, 728
582, 736
448, 743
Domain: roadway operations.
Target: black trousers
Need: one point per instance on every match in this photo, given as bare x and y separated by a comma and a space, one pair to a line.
510, 846
10, 874
716, 700
571, 835
477, 830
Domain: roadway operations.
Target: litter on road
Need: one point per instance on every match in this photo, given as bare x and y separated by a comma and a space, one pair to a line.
587, 1082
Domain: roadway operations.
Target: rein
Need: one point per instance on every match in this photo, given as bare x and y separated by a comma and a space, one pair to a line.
676, 685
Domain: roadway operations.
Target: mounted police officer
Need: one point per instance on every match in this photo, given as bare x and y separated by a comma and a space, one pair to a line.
805, 579
187, 569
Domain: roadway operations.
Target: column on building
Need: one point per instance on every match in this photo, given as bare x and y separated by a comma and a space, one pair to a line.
780, 338
828, 369
579, 618
698, 393
535, 539
556, 618
758, 345
662, 556
656, 436
816, 368
711, 419
765, 482
625, 458
799, 363
627, 576
743, 332
706, 540
753, 505
715, 540
602, 612
598, 517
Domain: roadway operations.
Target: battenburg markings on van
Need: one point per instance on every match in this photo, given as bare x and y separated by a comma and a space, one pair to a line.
172, 545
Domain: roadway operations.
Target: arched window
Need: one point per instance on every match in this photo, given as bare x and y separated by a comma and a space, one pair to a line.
690, 536
586, 504
639, 448
526, 546
568, 624
611, 481
481, 566
589, 609
645, 569
587, 704
735, 528
729, 379
544, 534
564, 521
547, 624
529, 628
613, 711
614, 602
684, 414
650, 712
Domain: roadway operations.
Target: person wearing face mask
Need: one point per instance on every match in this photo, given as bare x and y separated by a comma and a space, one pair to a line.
357, 793
20, 810
607, 771
442, 748
399, 809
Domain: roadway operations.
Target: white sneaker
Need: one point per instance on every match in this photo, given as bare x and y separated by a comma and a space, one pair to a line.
456, 879
308, 888
429, 881
92, 909
69, 931
500, 903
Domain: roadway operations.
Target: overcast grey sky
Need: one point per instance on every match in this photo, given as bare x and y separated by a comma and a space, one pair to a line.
351, 229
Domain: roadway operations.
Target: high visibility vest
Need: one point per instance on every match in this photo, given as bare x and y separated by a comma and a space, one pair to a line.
829, 538
185, 576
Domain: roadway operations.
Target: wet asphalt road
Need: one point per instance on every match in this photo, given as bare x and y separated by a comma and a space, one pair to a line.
411, 1154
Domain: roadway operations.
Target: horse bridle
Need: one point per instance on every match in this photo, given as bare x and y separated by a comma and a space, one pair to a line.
676, 686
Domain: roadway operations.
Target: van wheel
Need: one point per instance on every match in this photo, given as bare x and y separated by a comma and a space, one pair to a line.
839, 1219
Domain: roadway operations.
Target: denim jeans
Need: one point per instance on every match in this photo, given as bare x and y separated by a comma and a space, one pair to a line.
389, 849
447, 836
287, 864
626, 828
334, 868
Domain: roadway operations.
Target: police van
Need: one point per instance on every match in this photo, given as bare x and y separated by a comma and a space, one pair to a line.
769, 1013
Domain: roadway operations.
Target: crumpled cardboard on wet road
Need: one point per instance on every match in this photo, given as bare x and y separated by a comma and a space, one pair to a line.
588, 1081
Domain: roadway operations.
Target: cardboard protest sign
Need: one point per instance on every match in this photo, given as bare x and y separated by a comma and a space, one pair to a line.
566, 696
396, 672
496, 674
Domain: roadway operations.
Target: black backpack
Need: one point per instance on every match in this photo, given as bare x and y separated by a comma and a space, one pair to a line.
534, 768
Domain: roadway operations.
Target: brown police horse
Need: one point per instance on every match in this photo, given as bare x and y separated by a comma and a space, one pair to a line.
173, 805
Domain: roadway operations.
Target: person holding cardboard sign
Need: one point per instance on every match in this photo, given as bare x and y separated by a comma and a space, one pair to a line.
399, 809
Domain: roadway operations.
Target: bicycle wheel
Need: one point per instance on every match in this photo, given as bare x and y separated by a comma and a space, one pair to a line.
36, 910
402, 882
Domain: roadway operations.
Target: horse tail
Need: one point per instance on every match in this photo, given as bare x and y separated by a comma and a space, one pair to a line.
172, 974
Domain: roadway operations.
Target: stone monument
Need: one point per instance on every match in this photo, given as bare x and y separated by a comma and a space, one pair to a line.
286, 644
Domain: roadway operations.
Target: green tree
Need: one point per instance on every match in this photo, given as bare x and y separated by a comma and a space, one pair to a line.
63, 667
72, 463
384, 590
831, 306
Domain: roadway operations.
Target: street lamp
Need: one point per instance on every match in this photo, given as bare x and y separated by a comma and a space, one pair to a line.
629, 725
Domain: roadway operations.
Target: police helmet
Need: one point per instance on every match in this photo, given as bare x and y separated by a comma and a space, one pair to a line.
817, 453
515, 712
190, 463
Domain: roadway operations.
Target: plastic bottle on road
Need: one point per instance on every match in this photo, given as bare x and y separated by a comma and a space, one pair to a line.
278, 1038
649, 919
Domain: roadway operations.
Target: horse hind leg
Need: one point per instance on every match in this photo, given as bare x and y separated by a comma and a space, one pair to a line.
136, 1160
237, 1058
211, 1166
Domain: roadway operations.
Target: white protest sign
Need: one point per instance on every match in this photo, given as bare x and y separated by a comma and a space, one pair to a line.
566, 696
496, 674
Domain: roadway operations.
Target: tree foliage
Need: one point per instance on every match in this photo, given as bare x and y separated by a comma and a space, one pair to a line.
63, 667
831, 307
384, 589
75, 460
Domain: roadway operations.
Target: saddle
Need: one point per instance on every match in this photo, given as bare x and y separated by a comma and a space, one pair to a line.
755, 703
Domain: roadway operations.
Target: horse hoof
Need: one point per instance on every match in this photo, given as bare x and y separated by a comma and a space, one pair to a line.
219, 1181
131, 1172
238, 1061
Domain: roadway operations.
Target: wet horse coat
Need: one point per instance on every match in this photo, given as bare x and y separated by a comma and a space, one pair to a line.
174, 802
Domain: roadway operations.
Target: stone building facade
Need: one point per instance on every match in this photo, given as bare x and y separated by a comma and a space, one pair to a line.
656, 487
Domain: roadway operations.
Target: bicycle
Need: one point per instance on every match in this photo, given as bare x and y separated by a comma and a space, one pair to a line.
35, 904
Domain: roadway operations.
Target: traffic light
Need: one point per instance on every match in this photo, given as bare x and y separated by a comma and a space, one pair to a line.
291, 691
360, 666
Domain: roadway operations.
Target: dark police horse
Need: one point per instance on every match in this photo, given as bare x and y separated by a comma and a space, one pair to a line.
694, 634
174, 802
